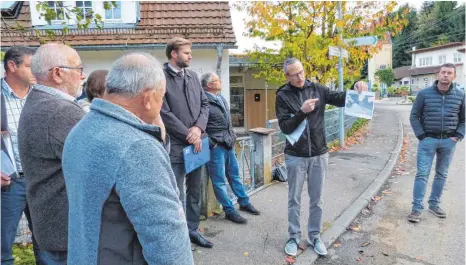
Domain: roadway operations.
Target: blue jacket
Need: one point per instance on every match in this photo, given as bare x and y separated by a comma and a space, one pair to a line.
436, 113
122, 193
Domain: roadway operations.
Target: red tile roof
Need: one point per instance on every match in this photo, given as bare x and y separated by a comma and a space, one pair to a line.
200, 22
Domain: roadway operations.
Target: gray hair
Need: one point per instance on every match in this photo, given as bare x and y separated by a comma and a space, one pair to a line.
206, 78
48, 56
134, 72
289, 61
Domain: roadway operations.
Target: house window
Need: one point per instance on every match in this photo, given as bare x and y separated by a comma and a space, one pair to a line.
442, 59
457, 57
382, 67
237, 100
57, 6
85, 8
412, 81
113, 12
406, 82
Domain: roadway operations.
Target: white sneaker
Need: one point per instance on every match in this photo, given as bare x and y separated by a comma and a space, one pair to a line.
291, 247
319, 246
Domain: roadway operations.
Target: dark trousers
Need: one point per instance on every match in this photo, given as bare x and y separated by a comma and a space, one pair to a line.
189, 186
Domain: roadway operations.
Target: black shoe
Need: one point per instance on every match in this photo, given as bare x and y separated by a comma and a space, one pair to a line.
250, 209
201, 241
414, 217
235, 218
437, 211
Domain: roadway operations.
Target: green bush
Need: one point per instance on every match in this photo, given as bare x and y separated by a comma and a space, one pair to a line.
412, 99
24, 255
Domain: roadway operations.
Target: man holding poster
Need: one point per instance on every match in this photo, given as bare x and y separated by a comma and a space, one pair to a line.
298, 101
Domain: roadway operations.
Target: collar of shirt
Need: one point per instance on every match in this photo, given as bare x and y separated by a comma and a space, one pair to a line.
176, 70
7, 89
55, 92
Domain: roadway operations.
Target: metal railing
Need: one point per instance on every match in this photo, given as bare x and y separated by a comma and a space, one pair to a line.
331, 134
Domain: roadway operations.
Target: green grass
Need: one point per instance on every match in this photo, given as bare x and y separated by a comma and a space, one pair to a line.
24, 255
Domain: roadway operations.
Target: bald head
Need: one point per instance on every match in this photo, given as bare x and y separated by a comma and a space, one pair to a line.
133, 73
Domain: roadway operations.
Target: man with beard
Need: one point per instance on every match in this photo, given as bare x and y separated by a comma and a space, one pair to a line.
185, 112
437, 119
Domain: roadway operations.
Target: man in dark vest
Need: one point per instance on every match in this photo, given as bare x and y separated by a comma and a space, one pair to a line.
223, 165
185, 112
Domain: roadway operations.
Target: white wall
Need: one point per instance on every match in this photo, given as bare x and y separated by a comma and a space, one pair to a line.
204, 60
448, 52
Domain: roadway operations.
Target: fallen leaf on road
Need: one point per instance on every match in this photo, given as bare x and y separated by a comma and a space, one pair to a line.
365, 244
337, 245
361, 252
201, 229
355, 228
359, 259
387, 192
198, 251
289, 260
376, 198
246, 254
419, 258
385, 254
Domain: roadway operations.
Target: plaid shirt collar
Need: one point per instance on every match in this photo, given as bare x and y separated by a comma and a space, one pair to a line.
7, 89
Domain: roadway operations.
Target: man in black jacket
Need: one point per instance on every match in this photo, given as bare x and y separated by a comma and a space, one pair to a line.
437, 119
223, 164
301, 101
185, 112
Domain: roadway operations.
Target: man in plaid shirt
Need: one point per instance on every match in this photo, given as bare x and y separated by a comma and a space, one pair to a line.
14, 89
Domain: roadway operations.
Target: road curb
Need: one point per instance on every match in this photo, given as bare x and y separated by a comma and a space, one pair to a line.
344, 220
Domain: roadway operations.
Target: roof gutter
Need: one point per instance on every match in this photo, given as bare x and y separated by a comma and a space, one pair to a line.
110, 47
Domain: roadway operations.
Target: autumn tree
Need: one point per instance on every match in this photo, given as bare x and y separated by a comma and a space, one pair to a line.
306, 29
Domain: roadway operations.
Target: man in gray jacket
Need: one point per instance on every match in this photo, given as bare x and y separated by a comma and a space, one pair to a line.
185, 112
49, 114
437, 118
123, 187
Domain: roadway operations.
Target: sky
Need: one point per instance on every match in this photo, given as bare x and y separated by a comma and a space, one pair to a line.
245, 43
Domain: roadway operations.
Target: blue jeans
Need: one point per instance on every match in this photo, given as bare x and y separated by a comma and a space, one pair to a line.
223, 166
427, 149
13, 205
54, 257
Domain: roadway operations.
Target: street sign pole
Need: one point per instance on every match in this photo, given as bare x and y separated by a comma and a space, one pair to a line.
340, 71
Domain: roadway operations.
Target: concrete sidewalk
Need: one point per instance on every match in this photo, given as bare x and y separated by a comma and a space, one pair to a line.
352, 173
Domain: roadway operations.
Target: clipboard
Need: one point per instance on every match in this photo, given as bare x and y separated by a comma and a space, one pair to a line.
7, 156
194, 160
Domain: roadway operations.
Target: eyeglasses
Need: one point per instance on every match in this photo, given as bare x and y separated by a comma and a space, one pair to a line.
297, 75
81, 68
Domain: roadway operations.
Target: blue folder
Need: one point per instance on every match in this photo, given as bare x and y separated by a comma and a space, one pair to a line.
193, 160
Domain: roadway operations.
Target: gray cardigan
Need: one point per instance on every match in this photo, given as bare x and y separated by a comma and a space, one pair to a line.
45, 122
124, 206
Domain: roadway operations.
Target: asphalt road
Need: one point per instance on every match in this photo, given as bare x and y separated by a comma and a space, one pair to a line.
382, 235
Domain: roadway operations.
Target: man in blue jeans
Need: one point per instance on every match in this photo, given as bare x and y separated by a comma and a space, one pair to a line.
437, 118
15, 88
223, 164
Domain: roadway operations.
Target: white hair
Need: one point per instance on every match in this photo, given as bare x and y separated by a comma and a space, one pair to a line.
132, 73
48, 56
206, 79
288, 62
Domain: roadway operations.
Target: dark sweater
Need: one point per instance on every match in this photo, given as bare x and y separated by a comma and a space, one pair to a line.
45, 122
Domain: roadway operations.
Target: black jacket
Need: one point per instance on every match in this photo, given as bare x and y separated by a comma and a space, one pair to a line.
288, 109
219, 127
438, 113
183, 107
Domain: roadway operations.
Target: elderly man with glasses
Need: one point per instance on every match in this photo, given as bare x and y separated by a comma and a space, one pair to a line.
49, 114
302, 101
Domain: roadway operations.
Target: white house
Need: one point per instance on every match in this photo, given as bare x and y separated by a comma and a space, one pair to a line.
426, 64
131, 26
